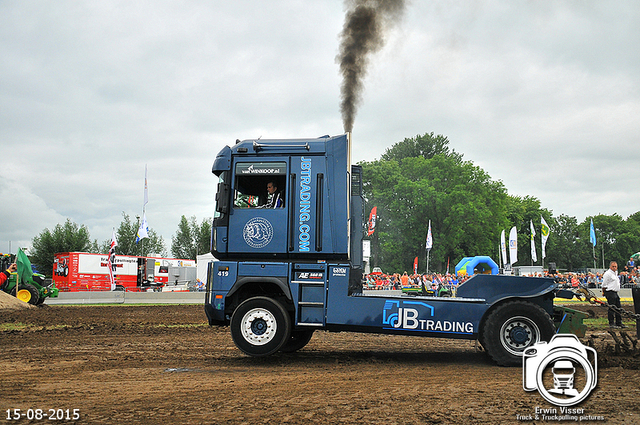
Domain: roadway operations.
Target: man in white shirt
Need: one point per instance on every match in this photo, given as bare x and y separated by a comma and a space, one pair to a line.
610, 289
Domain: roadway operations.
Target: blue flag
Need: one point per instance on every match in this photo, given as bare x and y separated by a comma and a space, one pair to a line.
592, 234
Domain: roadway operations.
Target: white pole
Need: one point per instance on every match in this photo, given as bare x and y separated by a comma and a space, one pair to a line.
428, 260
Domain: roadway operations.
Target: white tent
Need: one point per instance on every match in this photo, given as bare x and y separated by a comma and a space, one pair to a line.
202, 263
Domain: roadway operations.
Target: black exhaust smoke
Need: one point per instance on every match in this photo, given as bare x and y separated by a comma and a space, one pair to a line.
363, 33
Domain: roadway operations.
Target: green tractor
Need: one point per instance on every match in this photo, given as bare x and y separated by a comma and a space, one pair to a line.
32, 290
440, 291
25, 285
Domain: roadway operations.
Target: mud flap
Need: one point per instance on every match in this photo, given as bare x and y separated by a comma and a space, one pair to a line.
569, 321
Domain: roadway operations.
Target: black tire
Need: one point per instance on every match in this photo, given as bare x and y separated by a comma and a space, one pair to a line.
27, 293
297, 341
513, 327
260, 326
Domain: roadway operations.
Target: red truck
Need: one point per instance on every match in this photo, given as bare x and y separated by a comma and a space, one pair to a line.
82, 271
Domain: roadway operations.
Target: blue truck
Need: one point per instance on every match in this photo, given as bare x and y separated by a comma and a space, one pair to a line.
286, 269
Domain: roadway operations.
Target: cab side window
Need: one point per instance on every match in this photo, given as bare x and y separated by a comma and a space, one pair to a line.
260, 185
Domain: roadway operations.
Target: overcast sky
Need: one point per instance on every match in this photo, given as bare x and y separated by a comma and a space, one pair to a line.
543, 95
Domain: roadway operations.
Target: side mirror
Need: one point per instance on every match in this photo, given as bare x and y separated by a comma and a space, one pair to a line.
222, 198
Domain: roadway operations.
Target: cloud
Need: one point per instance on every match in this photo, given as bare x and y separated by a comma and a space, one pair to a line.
543, 96
22, 210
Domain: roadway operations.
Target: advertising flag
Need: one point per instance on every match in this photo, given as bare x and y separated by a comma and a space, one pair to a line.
111, 259
429, 243
545, 235
143, 231
503, 249
534, 257
592, 234
24, 266
372, 221
513, 245
415, 266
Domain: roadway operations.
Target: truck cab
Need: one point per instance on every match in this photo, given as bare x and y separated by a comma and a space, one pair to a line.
312, 222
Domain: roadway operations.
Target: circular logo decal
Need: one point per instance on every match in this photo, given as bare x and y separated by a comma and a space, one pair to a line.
258, 232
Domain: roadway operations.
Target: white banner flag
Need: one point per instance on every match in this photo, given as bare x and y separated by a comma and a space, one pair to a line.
545, 235
143, 231
513, 246
503, 248
429, 243
534, 257
111, 259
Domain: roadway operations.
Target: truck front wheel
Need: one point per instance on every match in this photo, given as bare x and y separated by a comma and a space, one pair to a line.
513, 327
260, 326
297, 341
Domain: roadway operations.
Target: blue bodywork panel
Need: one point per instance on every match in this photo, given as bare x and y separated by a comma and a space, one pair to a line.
319, 296
495, 288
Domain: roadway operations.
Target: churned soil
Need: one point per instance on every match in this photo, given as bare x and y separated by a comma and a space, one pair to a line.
9, 302
164, 364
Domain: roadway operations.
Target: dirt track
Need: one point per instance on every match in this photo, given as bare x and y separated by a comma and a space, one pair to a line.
163, 364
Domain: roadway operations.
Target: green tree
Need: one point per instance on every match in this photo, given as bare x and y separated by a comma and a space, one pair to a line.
616, 237
570, 247
628, 240
126, 237
564, 246
426, 146
465, 206
67, 237
191, 239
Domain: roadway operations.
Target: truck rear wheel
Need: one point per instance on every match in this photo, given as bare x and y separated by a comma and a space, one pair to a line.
297, 341
513, 327
260, 326
27, 293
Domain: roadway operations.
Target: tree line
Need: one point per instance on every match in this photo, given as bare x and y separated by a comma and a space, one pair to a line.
416, 180
191, 239
422, 179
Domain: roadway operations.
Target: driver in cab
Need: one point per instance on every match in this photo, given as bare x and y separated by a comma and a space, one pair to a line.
274, 197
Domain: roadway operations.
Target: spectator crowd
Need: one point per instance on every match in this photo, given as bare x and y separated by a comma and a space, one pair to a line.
396, 281
629, 278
